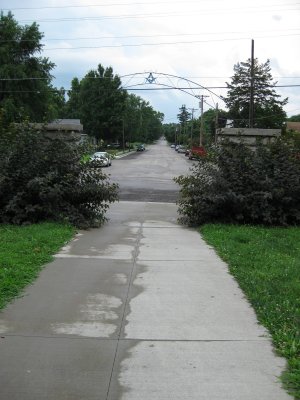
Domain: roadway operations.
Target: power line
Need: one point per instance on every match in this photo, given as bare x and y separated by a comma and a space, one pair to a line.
138, 89
153, 36
184, 77
156, 15
125, 4
164, 43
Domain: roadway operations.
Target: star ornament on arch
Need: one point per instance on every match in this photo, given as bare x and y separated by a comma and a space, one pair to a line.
151, 78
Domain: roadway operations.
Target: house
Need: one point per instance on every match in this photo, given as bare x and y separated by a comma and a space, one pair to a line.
248, 136
71, 129
293, 126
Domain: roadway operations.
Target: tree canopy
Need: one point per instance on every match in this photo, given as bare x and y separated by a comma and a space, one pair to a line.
25, 86
102, 103
268, 108
114, 114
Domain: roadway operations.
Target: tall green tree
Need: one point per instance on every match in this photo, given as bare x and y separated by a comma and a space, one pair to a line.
25, 84
210, 120
169, 131
73, 105
102, 103
183, 115
133, 119
57, 104
268, 108
151, 122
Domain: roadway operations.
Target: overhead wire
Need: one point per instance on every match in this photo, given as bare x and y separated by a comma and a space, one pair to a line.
164, 43
208, 11
139, 89
124, 4
153, 36
132, 16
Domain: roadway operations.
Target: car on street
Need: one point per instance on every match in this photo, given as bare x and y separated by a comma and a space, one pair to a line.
102, 157
140, 147
181, 149
197, 152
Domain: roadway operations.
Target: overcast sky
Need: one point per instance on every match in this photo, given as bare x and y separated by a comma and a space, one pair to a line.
197, 40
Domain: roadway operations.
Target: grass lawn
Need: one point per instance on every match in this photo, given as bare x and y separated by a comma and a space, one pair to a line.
23, 252
266, 264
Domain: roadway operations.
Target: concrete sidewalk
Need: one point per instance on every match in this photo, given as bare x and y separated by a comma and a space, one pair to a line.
140, 309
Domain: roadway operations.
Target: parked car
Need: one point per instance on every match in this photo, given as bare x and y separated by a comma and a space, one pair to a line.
103, 157
181, 149
140, 147
196, 152
173, 146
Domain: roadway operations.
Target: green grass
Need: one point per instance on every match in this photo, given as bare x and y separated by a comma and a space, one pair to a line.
266, 264
24, 251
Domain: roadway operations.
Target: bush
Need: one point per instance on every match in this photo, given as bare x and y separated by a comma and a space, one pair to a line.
238, 185
45, 179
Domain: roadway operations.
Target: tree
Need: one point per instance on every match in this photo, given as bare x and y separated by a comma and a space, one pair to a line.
209, 117
234, 184
56, 107
169, 131
102, 103
25, 89
268, 109
184, 115
133, 118
45, 179
73, 105
294, 118
151, 123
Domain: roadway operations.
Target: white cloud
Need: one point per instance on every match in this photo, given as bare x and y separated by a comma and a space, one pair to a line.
218, 33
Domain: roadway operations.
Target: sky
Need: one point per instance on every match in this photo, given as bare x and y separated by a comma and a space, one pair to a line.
155, 46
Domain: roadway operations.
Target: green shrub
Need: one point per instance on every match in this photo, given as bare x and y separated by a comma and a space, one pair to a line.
236, 184
45, 179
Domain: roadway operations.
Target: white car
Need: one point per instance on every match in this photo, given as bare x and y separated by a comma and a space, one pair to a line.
181, 149
103, 157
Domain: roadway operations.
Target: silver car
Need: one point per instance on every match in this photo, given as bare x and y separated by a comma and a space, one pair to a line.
103, 157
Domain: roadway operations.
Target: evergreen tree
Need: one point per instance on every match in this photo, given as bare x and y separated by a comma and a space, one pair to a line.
184, 115
268, 108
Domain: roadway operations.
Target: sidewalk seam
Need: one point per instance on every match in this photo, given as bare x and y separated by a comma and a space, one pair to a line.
118, 339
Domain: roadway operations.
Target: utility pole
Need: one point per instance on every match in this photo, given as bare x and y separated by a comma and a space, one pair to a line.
202, 120
192, 125
251, 105
216, 122
123, 134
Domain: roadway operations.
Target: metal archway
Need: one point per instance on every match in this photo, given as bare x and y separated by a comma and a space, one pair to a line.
154, 79
163, 81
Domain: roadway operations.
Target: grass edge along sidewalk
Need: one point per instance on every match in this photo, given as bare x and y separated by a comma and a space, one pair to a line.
24, 250
266, 264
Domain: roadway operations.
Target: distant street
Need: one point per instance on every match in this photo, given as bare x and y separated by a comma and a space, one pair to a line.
148, 175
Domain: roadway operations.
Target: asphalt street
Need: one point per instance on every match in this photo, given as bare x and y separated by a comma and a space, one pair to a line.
148, 175
140, 309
